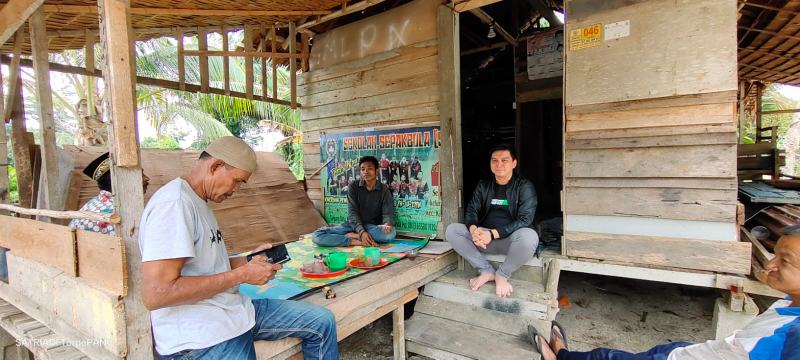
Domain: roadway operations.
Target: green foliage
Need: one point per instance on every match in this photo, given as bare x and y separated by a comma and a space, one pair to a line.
13, 186
292, 152
162, 142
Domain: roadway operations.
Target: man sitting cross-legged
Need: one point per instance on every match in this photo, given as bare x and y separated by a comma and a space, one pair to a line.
497, 222
775, 334
370, 212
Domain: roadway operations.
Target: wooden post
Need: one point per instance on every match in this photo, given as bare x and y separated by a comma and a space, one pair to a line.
226, 63
759, 94
181, 65
742, 117
117, 38
44, 96
274, 65
248, 62
399, 332
450, 116
263, 46
304, 50
293, 63
90, 67
202, 45
3, 151
15, 108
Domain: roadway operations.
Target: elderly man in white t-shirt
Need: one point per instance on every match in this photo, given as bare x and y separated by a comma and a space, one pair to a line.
190, 285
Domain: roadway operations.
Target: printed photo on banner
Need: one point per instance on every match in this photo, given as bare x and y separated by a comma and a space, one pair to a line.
546, 54
408, 164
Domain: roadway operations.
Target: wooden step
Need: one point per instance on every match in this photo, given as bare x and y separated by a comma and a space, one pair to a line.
506, 323
441, 338
529, 299
35, 336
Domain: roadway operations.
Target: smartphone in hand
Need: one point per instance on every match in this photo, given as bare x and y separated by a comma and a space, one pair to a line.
274, 255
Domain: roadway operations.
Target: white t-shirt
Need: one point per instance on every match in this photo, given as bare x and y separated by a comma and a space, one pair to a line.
176, 223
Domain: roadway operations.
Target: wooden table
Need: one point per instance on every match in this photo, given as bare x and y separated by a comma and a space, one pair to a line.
364, 299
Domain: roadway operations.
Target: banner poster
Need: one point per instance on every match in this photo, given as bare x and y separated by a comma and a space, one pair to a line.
546, 54
408, 164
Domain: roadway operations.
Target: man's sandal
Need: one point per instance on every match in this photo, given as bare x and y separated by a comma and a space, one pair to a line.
533, 336
561, 334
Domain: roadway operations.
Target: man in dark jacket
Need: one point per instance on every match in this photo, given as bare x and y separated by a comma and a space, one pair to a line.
498, 220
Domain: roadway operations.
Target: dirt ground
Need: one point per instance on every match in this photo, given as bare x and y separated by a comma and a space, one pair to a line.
603, 312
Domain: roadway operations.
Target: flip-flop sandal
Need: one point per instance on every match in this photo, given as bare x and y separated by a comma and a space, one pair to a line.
532, 337
561, 334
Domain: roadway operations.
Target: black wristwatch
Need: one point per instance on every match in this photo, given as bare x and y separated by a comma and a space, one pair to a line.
491, 234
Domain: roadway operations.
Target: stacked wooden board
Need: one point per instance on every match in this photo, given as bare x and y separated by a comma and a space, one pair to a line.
650, 144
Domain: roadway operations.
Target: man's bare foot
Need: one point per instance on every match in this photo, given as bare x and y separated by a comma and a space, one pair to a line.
547, 352
555, 340
478, 281
502, 287
351, 235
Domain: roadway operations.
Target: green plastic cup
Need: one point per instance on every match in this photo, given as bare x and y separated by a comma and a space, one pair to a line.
336, 261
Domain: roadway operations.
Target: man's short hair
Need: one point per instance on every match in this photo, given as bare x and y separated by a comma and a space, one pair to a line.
204, 155
504, 147
791, 230
370, 159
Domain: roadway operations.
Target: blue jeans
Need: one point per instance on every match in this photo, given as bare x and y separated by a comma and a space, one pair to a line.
660, 352
277, 319
335, 235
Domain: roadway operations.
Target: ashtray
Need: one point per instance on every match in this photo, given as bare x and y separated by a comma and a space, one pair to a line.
412, 254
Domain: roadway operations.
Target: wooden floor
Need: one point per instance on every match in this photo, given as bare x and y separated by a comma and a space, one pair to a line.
364, 299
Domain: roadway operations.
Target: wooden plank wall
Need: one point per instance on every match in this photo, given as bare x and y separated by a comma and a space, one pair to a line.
396, 88
654, 142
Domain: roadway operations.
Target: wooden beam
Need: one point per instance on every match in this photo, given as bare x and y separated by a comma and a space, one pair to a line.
759, 95
19, 134
120, 80
13, 70
304, 51
785, 36
472, 4
202, 45
481, 49
769, 70
167, 84
771, 53
88, 51
13, 14
449, 115
399, 333
4, 193
181, 60
768, 7
263, 46
488, 20
226, 63
788, 111
258, 54
336, 14
104, 217
81, 9
741, 108
293, 64
274, 44
44, 96
248, 62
